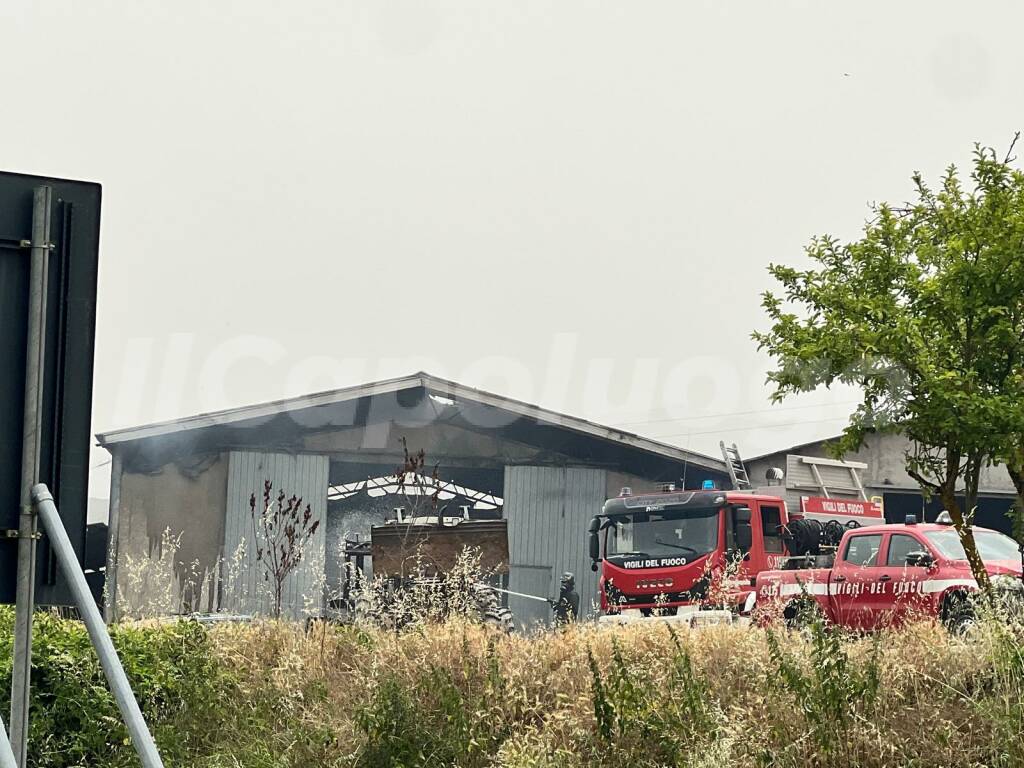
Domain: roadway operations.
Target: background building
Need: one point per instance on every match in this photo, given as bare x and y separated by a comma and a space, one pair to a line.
885, 475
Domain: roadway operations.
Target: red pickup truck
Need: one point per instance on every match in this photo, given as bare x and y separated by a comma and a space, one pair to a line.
881, 574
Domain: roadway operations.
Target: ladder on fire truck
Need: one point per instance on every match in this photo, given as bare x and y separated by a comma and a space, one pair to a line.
733, 462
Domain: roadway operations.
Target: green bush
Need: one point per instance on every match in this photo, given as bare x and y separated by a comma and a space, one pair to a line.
74, 720
200, 710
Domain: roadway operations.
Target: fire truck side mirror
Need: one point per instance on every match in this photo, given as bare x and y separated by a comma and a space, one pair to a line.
744, 536
594, 543
743, 532
919, 559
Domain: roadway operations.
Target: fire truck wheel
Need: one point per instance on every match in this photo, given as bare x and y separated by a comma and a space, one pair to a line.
500, 620
959, 615
668, 610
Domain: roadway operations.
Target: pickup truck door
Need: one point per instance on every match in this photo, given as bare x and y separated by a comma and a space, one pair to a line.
898, 593
855, 571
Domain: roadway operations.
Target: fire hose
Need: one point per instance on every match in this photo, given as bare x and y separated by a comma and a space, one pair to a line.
547, 600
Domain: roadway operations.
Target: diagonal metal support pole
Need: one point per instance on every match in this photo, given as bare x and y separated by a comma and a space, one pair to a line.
6, 753
142, 739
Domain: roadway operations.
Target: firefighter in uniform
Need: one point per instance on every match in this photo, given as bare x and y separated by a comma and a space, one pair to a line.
567, 606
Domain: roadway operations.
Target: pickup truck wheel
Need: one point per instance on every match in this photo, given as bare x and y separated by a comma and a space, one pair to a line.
960, 617
801, 613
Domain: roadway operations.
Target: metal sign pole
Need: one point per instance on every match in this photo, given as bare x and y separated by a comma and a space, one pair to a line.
34, 368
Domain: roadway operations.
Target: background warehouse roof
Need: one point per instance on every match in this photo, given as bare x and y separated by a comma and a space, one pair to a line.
351, 405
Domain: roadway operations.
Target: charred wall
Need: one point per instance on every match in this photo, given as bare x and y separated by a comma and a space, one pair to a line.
185, 501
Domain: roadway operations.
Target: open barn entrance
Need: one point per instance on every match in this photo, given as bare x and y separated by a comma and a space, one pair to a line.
434, 497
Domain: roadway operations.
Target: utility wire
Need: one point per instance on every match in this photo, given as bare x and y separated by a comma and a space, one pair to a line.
750, 427
733, 413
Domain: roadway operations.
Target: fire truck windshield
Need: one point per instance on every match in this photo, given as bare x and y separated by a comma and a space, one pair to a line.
992, 546
671, 533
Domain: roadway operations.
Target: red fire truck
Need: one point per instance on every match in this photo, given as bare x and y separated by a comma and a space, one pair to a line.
664, 549
881, 574
659, 549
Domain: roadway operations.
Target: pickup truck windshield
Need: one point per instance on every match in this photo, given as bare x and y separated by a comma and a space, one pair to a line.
687, 533
992, 546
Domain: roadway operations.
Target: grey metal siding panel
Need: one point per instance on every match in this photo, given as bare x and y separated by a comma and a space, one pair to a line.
549, 509
530, 580
306, 476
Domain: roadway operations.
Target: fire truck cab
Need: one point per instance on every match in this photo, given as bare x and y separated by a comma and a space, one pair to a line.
662, 550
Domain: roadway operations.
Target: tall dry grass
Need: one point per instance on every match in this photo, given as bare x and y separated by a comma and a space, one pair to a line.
462, 695
445, 691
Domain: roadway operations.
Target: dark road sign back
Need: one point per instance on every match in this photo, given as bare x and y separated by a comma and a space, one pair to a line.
67, 383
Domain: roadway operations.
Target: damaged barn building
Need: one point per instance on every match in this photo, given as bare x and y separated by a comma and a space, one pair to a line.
180, 517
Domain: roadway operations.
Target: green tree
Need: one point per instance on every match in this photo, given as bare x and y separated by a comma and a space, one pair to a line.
925, 314
1003, 240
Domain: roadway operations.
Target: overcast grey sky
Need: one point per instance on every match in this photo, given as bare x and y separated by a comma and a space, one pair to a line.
567, 202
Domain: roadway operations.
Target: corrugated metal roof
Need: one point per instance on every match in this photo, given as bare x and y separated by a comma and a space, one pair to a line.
433, 385
795, 449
